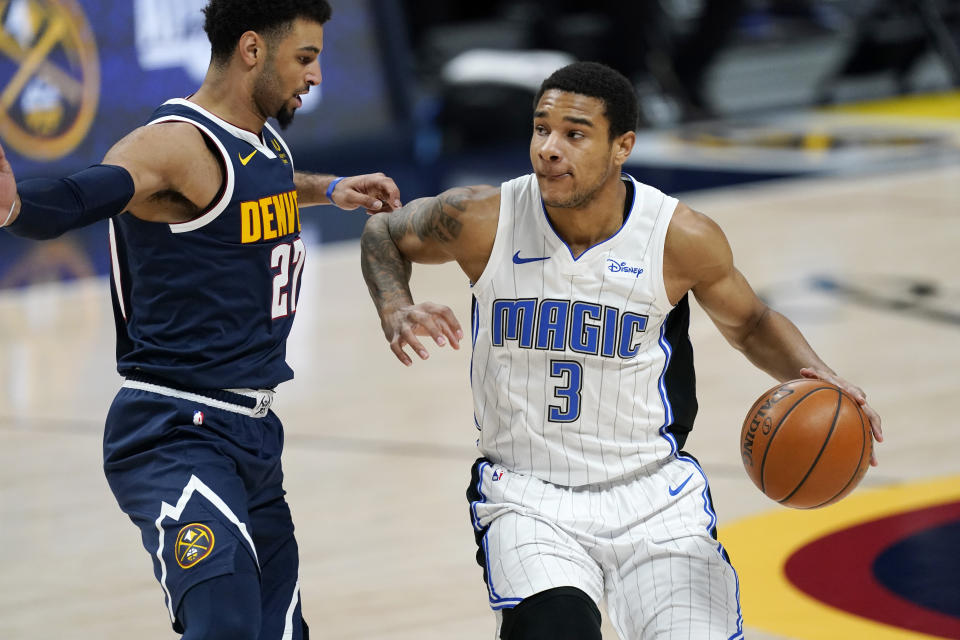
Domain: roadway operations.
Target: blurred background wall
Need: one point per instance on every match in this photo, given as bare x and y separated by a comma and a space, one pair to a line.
437, 93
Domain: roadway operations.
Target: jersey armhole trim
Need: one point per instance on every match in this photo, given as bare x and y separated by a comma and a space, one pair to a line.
668, 206
218, 206
115, 269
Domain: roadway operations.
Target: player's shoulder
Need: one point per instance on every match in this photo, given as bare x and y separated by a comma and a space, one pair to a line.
694, 242
162, 143
691, 227
478, 201
478, 194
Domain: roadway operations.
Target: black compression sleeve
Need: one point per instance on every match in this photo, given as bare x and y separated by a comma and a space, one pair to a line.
50, 207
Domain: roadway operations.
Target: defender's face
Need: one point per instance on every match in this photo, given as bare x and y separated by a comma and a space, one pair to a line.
292, 67
571, 151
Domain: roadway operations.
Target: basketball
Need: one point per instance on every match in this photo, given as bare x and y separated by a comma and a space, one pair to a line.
806, 443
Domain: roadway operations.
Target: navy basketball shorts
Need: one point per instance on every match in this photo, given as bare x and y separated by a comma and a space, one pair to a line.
199, 473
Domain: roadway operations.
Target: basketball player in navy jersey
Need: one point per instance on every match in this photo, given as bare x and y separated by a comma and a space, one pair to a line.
204, 207
582, 373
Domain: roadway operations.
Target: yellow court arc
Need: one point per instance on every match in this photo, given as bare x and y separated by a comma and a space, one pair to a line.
760, 546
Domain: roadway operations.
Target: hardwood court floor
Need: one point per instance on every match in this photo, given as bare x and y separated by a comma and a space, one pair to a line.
378, 456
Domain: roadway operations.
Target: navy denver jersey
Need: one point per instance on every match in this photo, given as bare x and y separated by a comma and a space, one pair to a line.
208, 303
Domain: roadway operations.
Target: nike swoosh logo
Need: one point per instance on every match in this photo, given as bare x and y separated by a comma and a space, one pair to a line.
518, 260
674, 492
243, 160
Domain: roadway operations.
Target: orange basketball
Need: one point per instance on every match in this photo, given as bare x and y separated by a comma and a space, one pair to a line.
806, 443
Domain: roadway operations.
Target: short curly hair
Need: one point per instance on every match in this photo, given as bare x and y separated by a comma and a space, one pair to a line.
227, 20
602, 82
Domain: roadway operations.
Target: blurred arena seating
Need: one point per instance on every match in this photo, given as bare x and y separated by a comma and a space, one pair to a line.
690, 59
438, 93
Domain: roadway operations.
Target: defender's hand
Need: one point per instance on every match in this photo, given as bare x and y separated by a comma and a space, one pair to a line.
375, 192
858, 395
401, 328
8, 190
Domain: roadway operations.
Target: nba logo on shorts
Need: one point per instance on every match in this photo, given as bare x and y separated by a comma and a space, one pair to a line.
497, 474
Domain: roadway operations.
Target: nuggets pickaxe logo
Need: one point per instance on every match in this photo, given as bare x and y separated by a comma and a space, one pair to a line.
49, 76
194, 543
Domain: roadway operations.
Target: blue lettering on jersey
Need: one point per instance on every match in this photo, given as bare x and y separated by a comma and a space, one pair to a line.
516, 317
552, 324
562, 325
631, 325
585, 336
609, 340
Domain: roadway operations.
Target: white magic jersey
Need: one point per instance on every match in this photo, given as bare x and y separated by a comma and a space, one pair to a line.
582, 372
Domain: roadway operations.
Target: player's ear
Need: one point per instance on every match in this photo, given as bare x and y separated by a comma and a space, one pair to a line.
251, 48
623, 146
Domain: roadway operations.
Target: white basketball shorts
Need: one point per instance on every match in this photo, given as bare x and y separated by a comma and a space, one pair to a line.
646, 543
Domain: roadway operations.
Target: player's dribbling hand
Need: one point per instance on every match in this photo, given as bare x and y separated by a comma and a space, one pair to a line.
857, 394
401, 328
375, 192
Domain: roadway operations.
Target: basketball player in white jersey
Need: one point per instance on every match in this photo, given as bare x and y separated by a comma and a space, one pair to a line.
582, 373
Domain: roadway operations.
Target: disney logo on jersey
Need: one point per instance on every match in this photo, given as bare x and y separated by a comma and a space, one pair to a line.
269, 218
624, 269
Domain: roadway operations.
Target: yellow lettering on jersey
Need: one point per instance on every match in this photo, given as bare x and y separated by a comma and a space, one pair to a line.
249, 222
280, 206
296, 207
269, 218
269, 233
291, 215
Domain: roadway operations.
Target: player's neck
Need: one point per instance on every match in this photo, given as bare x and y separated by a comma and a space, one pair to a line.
229, 99
594, 222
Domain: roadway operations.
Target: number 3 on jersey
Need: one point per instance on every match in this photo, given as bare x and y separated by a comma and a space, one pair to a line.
567, 391
283, 257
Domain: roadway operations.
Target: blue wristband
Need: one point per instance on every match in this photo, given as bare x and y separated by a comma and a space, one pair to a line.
333, 185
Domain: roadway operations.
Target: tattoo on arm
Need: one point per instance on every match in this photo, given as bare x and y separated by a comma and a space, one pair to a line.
434, 221
385, 270
435, 218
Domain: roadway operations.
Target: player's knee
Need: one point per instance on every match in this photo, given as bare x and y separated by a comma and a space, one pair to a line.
227, 625
564, 613
223, 608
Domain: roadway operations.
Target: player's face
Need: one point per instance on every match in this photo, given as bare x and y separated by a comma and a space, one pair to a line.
571, 150
292, 67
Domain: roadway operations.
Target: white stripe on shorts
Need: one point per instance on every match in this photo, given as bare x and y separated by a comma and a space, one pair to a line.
195, 485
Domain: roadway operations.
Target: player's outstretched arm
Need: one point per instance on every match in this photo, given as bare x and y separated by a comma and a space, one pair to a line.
162, 173
460, 225
698, 258
375, 192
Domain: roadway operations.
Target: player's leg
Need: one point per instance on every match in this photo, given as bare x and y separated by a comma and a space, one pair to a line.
223, 608
561, 613
530, 564
197, 534
671, 578
178, 483
280, 571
